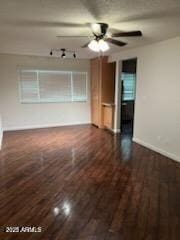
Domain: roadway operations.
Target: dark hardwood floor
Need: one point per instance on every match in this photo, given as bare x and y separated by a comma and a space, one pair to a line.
83, 183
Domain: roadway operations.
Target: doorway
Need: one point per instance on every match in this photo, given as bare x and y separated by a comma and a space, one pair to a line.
128, 86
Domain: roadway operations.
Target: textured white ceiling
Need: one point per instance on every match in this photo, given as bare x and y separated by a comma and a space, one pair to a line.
31, 26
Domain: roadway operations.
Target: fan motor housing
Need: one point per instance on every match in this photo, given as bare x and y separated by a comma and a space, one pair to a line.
104, 27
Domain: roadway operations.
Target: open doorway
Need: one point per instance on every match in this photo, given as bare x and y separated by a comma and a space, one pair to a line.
128, 86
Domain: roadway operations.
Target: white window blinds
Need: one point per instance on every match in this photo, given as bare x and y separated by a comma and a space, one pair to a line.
129, 85
52, 86
29, 86
79, 87
55, 86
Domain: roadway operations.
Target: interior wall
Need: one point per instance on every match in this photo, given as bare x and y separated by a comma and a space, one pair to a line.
22, 116
1, 131
157, 106
117, 98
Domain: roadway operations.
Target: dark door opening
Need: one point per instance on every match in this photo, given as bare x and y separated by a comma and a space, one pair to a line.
128, 86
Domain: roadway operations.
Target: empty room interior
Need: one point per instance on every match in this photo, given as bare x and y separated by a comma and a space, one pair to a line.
89, 120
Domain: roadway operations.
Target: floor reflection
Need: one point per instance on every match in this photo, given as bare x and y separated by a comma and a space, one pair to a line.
65, 209
126, 147
56, 211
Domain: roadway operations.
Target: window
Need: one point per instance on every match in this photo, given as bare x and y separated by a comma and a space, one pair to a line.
79, 87
52, 86
129, 81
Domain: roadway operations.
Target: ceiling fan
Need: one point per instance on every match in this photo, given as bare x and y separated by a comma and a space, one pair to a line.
101, 37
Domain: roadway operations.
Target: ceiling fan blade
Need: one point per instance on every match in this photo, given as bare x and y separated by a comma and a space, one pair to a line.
128, 34
115, 42
86, 45
47, 24
74, 36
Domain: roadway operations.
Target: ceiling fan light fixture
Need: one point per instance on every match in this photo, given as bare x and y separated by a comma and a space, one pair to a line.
94, 45
103, 46
98, 45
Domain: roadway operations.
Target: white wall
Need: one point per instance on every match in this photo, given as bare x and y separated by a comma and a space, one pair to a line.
157, 108
19, 116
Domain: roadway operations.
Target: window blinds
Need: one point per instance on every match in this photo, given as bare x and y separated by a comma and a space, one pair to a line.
79, 87
129, 82
52, 86
55, 86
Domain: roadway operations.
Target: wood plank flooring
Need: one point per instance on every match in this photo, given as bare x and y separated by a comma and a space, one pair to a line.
83, 183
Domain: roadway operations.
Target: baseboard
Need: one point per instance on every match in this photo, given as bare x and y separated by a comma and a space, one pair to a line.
116, 130
43, 126
156, 149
